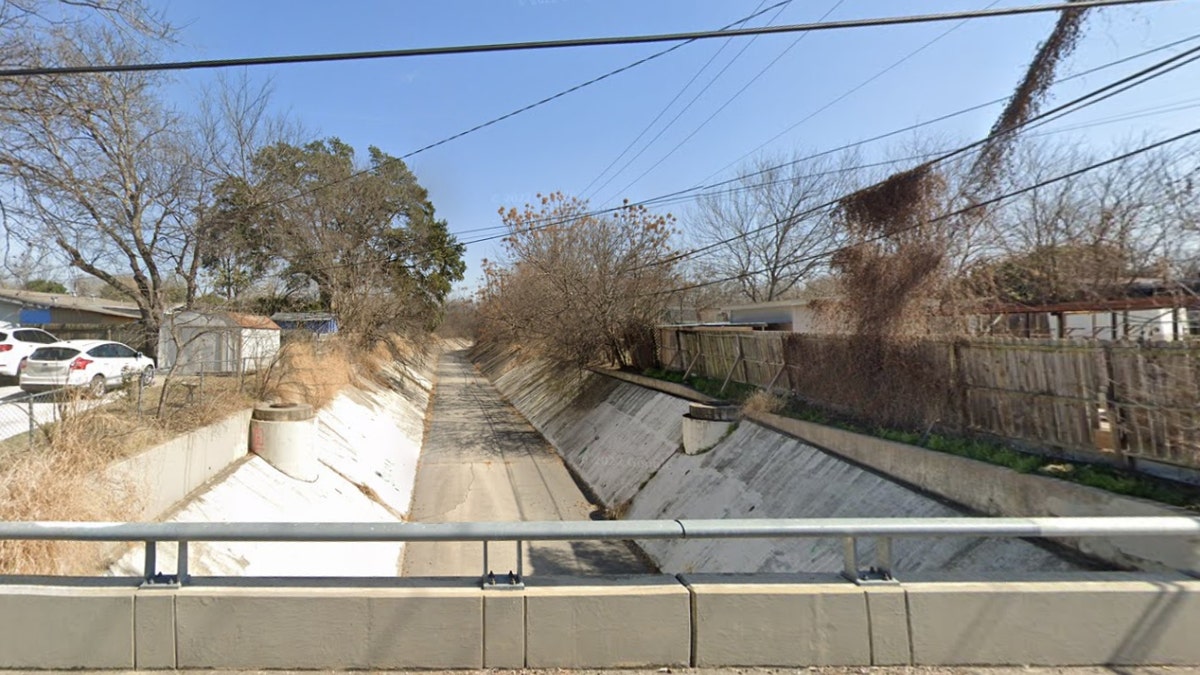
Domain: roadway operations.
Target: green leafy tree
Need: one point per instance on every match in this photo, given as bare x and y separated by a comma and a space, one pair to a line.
232, 242
45, 286
363, 236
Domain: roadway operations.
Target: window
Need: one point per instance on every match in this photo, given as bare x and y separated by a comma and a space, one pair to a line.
53, 354
27, 336
122, 352
104, 351
46, 338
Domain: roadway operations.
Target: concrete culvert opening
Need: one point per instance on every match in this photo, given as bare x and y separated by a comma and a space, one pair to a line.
284, 434
706, 424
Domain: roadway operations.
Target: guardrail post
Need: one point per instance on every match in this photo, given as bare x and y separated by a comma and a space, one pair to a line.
486, 569
181, 563
520, 562
150, 566
850, 559
883, 557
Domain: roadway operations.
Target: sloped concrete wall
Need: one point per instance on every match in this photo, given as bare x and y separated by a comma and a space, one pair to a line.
624, 441
613, 434
368, 443
997, 491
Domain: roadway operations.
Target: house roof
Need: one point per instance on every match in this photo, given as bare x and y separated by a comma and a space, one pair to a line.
775, 304
256, 321
303, 317
103, 306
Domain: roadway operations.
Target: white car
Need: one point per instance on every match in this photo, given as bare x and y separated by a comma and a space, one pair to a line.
16, 344
96, 365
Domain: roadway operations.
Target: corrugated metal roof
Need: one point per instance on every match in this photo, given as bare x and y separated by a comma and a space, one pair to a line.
126, 310
303, 316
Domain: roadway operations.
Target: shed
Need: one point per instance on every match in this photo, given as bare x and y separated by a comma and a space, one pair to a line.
217, 342
318, 323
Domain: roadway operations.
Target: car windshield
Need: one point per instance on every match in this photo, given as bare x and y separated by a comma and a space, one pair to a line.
54, 354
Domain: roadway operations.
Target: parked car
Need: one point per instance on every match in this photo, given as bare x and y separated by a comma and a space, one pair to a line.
96, 365
16, 344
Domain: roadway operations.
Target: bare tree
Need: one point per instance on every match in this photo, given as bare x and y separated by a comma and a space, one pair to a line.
1091, 235
578, 287
766, 225
233, 125
105, 172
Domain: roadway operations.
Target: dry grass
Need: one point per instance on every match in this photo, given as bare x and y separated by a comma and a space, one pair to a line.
315, 372
66, 479
764, 402
65, 476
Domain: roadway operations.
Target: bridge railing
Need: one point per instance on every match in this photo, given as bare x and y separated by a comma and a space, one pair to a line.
849, 530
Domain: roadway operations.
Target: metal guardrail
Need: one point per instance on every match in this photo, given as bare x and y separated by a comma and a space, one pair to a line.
849, 530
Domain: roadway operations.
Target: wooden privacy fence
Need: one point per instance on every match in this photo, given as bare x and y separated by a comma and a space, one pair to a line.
1139, 400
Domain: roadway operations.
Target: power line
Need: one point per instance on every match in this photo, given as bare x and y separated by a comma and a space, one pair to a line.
1121, 85
849, 92
979, 205
810, 116
704, 90
680, 93
581, 85
912, 127
962, 211
559, 44
408, 155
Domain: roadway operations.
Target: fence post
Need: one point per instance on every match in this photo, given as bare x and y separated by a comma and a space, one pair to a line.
691, 365
732, 368
1116, 423
958, 388
741, 350
32, 424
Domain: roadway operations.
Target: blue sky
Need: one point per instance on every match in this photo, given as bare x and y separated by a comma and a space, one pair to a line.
400, 105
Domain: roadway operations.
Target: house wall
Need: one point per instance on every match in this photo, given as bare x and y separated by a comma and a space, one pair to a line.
259, 347
191, 342
772, 315
10, 312
1165, 324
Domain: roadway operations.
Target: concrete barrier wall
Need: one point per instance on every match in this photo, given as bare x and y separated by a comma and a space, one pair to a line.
697, 620
166, 474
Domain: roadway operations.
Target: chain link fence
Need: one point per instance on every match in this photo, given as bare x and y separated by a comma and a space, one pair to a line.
28, 415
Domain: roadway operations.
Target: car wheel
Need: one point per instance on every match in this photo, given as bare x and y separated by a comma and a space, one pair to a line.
148, 376
98, 386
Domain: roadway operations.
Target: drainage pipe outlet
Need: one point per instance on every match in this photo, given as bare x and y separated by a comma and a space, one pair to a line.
705, 425
284, 434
